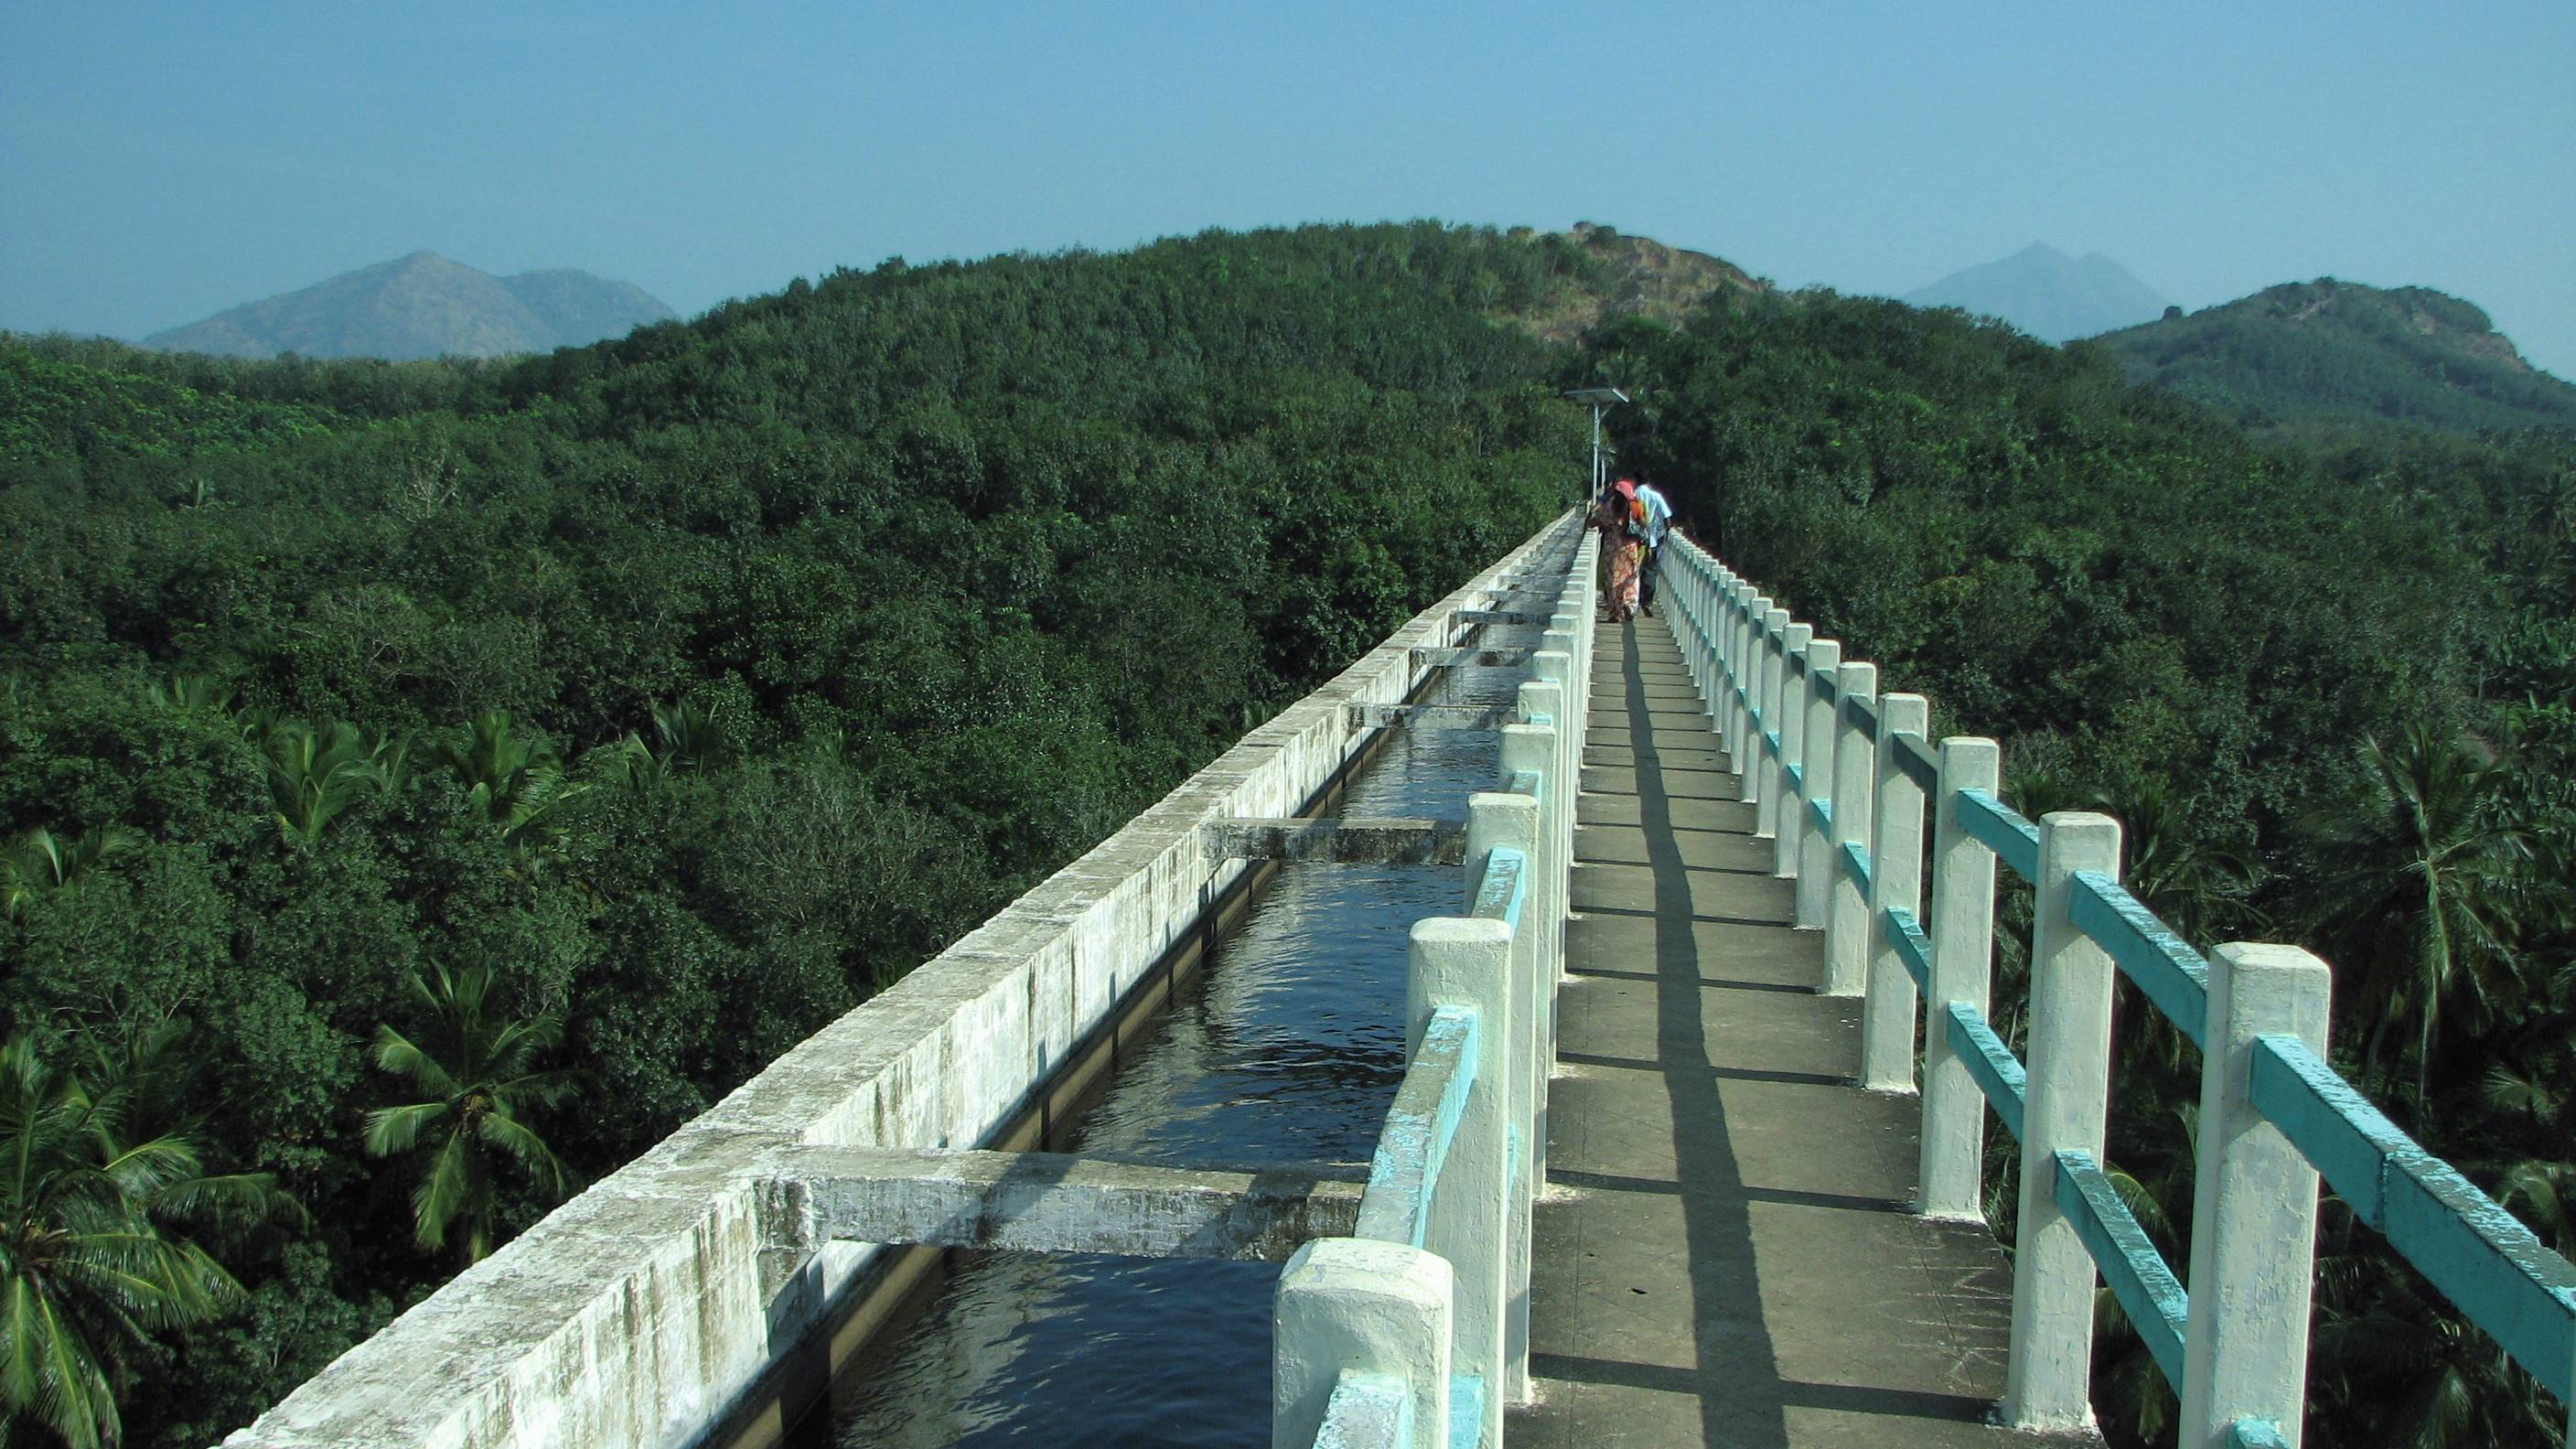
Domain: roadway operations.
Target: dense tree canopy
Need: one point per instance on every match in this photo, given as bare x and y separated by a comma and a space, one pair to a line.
679, 691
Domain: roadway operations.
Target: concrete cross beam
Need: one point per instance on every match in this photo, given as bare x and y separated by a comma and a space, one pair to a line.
1497, 616
1351, 840
1053, 1202
1430, 716
1492, 657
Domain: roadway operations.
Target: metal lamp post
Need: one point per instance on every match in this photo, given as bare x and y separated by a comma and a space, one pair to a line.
1601, 400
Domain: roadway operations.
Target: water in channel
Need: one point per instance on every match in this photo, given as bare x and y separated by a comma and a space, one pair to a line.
1288, 1047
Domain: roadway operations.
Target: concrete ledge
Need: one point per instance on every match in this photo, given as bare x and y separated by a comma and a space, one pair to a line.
1350, 840
1049, 1202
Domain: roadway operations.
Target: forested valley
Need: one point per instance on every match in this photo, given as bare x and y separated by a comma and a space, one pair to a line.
424, 785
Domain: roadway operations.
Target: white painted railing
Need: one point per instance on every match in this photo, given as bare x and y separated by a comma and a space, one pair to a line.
1843, 778
1414, 1331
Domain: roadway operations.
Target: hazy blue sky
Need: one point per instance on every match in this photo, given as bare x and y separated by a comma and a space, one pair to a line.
158, 163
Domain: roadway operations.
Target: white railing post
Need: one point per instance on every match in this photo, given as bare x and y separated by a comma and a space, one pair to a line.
1565, 766
1697, 585
1790, 813
2048, 1382
1895, 883
1762, 783
1808, 851
1717, 599
2254, 1206
1550, 698
1963, 956
1466, 961
1511, 821
1731, 674
1539, 748
1788, 716
1855, 804
1352, 1306
1749, 669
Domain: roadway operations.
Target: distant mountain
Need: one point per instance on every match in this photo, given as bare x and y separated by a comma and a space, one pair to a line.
2336, 352
423, 305
2048, 294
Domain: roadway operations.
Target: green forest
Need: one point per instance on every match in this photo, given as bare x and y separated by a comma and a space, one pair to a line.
424, 785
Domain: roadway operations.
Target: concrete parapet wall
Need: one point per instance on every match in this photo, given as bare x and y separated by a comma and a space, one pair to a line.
643, 1311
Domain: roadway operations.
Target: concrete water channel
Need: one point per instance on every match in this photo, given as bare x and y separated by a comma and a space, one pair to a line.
1288, 1046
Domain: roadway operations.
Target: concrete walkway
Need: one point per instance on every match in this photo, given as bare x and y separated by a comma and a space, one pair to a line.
1725, 1256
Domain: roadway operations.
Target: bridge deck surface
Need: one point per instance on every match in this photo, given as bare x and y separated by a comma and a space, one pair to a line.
1725, 1255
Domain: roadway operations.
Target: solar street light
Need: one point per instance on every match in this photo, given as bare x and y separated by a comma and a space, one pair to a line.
1601, 400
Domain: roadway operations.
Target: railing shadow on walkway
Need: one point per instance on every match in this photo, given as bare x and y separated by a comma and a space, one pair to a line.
1738, 1390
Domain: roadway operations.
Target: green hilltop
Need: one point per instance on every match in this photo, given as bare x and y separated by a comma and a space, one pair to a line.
2328, 353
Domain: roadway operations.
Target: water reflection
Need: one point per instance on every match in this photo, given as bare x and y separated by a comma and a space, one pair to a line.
1289, 1047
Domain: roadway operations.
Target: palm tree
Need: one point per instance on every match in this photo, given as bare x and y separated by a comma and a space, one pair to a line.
86, 1271
475, 1084
2392, 1355
693, 735
316, 775
42, 861
517, 785
2203, 889
2418, 867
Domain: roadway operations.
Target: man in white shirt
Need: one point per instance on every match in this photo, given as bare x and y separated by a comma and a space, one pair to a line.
1659, 521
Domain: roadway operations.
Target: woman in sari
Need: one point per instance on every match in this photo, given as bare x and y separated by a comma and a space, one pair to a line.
1621, 548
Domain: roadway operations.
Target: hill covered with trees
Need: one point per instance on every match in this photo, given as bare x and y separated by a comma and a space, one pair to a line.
436, 781
2329, 355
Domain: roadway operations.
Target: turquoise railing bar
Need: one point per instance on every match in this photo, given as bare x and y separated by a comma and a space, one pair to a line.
2256, 1434
1821, 811
1770, 738
2001, 829
1372, 1409
1855, 860
1466, 1412
1404, 1172
1998, 1072
2147, 1289
1913, 948
1505, 886
1919, 764
1864, 717
2498, 1272
1796, 775
2172, 975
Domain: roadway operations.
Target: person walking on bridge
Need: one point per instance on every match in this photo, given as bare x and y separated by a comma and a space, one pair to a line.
1623, 542
1659, 521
